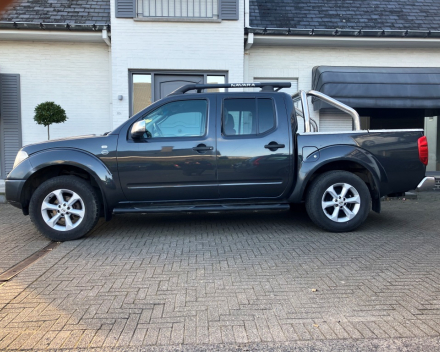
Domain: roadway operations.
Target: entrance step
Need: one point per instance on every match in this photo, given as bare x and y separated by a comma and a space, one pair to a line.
437, 184
2, 192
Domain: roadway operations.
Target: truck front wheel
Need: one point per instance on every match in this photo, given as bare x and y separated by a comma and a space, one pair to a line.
64, 208
338, 201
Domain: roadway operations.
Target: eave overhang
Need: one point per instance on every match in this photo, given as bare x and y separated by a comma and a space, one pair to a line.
55, 32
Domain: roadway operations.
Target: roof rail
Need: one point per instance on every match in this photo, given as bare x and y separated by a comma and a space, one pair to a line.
265, 86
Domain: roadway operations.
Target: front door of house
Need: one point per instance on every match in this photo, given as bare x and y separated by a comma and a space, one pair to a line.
165, 84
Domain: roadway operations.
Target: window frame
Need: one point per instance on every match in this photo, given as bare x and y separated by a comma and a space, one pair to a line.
186, 138
254, 135
140, 17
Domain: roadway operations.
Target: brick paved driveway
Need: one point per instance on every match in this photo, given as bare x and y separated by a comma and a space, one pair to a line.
235, 279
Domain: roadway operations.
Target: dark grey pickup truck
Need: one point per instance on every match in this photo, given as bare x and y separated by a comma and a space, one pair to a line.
198, 151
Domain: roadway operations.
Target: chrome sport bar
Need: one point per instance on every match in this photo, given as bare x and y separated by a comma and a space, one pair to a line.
302, 95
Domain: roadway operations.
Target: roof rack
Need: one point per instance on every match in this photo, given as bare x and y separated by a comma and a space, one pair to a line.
265, 86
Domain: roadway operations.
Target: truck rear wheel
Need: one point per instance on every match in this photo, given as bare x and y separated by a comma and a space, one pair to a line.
338, 201
64, 208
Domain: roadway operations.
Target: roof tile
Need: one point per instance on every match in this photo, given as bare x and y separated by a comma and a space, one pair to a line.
58, 11
359, 14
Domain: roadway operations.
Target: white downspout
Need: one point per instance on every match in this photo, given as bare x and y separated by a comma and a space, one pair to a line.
105, 37
250, 37
246, 13
248, 44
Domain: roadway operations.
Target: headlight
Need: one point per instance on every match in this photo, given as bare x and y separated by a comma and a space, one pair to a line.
21, 155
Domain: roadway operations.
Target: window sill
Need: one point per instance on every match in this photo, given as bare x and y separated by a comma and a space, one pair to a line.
177, 19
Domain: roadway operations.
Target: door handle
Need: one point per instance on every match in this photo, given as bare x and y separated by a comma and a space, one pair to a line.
202, 148
273, 146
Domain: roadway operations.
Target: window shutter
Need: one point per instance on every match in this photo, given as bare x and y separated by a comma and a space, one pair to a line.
125, 8
229, 9
10, 115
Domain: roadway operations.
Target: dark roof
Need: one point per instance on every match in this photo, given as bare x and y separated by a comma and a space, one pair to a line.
346, 14
58, 11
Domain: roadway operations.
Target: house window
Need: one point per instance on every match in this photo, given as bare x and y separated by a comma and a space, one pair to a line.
202, 9
141, 92
215, 80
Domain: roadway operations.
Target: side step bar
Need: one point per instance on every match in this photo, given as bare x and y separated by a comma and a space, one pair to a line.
201, 208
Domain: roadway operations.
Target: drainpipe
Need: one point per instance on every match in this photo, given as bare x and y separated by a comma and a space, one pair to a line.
105, 37
250, 37
246, 13
248, 44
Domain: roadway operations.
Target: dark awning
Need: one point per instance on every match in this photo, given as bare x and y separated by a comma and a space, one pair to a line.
378, 87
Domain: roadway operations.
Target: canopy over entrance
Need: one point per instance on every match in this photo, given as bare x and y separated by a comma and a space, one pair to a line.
378, 87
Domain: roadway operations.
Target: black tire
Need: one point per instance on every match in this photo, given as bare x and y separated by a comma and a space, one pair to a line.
318, 193
89, 204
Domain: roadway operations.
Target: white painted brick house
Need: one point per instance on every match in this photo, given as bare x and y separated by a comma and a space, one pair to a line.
166, 47
52, 51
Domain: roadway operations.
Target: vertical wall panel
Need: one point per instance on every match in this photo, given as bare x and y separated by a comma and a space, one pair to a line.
10, 115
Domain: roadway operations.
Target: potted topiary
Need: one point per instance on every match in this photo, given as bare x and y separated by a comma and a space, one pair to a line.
48, 113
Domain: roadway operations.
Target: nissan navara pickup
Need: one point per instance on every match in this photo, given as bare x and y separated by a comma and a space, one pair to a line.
221, 151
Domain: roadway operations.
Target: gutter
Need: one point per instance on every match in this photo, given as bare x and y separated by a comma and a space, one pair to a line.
378, 33
55, 26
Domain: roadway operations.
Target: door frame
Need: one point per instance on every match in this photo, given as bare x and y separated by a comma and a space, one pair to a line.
203, 73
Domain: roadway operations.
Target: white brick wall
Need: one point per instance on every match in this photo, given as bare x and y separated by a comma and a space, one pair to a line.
74, 75
297, 62
172, 46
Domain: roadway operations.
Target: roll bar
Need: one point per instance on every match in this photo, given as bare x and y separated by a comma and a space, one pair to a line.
302, 95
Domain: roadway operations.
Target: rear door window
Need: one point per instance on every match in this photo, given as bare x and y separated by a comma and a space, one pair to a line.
247, 116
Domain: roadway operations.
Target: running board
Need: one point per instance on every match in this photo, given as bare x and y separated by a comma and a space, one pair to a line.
201, 208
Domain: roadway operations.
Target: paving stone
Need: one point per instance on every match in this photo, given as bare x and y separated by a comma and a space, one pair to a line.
198, 279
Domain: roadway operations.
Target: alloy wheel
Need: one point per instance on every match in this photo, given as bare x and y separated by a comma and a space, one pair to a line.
63, 210
341, 202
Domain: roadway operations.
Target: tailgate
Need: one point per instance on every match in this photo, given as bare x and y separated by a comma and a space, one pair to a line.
398, 153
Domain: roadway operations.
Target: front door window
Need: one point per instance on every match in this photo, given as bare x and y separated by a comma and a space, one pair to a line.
186, 118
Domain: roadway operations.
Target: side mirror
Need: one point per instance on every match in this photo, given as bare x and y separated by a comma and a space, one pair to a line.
138, 129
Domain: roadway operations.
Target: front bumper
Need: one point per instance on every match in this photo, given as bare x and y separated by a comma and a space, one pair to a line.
13, 190
427, 184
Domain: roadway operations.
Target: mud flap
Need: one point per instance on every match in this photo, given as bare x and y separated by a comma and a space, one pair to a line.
376, 206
